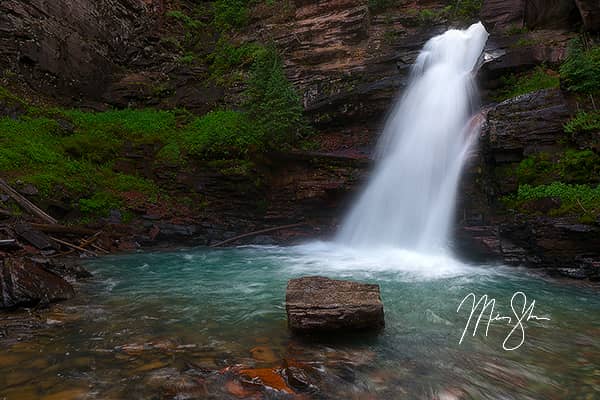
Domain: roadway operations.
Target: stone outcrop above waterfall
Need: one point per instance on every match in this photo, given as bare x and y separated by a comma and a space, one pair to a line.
526, 124
536, 47
506, 15
319, 304
503, 14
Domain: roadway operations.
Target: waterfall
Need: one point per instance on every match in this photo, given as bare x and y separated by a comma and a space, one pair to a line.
410, 199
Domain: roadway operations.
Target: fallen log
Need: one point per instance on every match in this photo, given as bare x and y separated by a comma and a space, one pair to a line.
100, 249
26, 204
82, 244
245, 235
74, 246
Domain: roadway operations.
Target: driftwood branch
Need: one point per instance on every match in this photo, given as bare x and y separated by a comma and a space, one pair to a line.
82, 244
245, 235
26, 204
73, 246
582, 207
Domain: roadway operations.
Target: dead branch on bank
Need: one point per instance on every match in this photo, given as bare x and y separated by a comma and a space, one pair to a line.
245, 235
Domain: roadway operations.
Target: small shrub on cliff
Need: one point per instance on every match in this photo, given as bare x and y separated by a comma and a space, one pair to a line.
230, 14
579, 166
583, 122
581, 70
100, 204
466, 9
228, 57
272, 101
516, 85
191, 26
538, 168
573, 166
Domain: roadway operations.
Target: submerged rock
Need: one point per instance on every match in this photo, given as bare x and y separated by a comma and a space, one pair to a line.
23, 283
321, 304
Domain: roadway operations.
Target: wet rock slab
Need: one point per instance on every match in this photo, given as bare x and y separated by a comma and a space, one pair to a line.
319, 304
24, 283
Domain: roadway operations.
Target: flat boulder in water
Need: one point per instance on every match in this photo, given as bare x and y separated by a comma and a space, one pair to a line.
319, 304
25, 283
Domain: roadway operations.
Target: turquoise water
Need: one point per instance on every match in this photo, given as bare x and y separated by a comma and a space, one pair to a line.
182, 324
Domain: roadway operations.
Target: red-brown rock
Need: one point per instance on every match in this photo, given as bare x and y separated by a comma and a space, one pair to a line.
317, 303
23, 283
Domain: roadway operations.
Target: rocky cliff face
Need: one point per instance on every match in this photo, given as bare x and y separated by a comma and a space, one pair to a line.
73, 48
348, 61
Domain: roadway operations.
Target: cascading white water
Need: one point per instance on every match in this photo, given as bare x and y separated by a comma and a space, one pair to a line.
410, 199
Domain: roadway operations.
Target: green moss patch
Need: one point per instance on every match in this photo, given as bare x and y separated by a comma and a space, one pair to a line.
517, 84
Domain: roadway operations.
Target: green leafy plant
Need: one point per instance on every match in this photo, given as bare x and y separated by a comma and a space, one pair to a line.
191, 26
466, 9
222, 134
537, 168
227, 58
579, 166
230, 14
583, 122
516, 85
581, 70
582, 200
574, 166
516, 30
101, 203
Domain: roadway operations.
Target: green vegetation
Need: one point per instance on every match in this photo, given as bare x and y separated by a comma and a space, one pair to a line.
272, 117
581, 70
573, 166
516, 85
462, 10
192, 28
524, 42
77, 163
571, 179
583, 122
227, 58
581, 200
516, 30
230, 14
466, 9
72, 153
379, 5
272, 102
222, 134
536, 169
